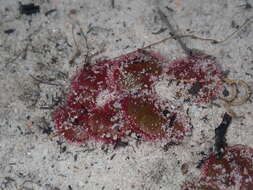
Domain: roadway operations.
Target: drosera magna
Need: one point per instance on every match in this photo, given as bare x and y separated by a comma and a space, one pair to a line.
113, 99
233, 171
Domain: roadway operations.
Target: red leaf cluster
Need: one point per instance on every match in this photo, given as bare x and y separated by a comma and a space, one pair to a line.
116, 99
233, 171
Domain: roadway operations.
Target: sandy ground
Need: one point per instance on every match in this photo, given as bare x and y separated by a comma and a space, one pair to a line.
41, 48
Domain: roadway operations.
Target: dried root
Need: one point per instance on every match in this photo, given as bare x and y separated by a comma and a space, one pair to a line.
234, 84
50, 137
230, 111
232, 99
232, 93
245, 97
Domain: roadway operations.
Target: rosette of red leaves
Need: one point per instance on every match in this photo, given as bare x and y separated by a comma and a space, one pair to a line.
233, 171
111, 100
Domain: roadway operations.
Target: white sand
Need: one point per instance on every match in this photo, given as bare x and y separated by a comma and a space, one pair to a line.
31, 158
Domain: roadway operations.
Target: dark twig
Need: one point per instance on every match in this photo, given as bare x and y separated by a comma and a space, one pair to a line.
164, 19
23, 51
246, 5
28, 9
86, 44
120, 144
9, 31
220, 133
15, 57
44, 81
50, 12
113, 3
55, 102
161, 30
78, 51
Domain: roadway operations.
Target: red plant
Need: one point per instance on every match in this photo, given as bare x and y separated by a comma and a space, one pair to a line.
112, 99
233, 171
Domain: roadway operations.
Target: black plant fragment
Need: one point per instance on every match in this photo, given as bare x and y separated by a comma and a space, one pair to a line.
220, 132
